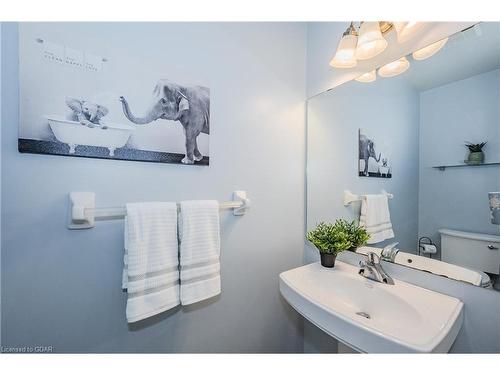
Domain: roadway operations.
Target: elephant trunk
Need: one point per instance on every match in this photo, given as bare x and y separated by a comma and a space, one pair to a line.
379, 155
136, 120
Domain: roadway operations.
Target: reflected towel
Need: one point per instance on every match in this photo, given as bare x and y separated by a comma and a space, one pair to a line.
375, 217
151, 265
199, 250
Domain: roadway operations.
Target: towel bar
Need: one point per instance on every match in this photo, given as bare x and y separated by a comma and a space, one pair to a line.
82, 212
350, 197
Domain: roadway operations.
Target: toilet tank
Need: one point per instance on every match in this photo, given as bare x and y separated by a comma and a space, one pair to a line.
473, 250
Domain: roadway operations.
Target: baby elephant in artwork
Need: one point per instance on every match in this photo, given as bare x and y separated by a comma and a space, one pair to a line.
87, 113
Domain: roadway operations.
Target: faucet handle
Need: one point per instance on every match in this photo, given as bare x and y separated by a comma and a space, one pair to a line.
391, 246
389, 252
373, 258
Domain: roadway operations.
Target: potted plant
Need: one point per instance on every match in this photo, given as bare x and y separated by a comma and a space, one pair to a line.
476, 154
332, 239
358, 235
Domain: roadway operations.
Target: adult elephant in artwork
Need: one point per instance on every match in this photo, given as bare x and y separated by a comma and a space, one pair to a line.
188, 105
367, 151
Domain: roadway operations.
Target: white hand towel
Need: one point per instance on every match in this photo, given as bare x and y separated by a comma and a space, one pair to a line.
199, 250
375, 217
151, 263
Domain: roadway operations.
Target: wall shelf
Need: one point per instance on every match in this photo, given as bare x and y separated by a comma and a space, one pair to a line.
443, 167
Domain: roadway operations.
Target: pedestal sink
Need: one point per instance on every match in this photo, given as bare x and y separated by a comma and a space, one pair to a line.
369, 316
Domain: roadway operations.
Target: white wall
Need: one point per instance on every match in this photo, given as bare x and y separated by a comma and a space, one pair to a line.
450, 115
62, 287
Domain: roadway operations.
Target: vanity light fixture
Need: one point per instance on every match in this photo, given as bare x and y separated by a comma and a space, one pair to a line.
345, 54
430, 50
370, 41
394, 68
405, 30
367, 77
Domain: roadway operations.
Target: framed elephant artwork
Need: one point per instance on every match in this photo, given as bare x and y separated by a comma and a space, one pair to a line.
79, 97
374, 155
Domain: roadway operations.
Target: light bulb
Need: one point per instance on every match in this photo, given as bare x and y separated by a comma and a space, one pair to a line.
394, 68
430, 50
370, 41
345, 54
367, 77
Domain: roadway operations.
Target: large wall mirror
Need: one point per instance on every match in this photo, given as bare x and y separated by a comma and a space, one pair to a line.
406, 134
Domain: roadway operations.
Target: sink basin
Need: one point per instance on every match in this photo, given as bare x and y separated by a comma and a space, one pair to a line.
370, 316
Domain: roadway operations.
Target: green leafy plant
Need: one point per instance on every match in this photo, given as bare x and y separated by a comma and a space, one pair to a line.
475, 147
357, 235
329, 239
335, 238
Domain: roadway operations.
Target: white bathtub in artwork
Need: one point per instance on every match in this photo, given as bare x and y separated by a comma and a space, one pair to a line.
73, 134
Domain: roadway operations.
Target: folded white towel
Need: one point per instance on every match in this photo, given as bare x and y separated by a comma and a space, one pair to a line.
375, 217
199, 250
151, 264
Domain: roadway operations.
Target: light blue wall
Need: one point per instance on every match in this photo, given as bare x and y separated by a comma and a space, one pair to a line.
450, 115
62, 287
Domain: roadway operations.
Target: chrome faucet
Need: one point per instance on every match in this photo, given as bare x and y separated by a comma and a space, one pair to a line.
372, 269
389, 252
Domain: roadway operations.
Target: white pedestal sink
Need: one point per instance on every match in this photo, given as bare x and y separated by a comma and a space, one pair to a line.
370, 316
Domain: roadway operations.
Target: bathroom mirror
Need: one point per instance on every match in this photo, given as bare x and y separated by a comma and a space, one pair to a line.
406, 134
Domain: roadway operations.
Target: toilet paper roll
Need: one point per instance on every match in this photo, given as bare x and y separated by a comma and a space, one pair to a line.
429, 249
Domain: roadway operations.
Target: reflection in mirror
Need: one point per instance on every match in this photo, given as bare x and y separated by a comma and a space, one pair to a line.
430, 136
